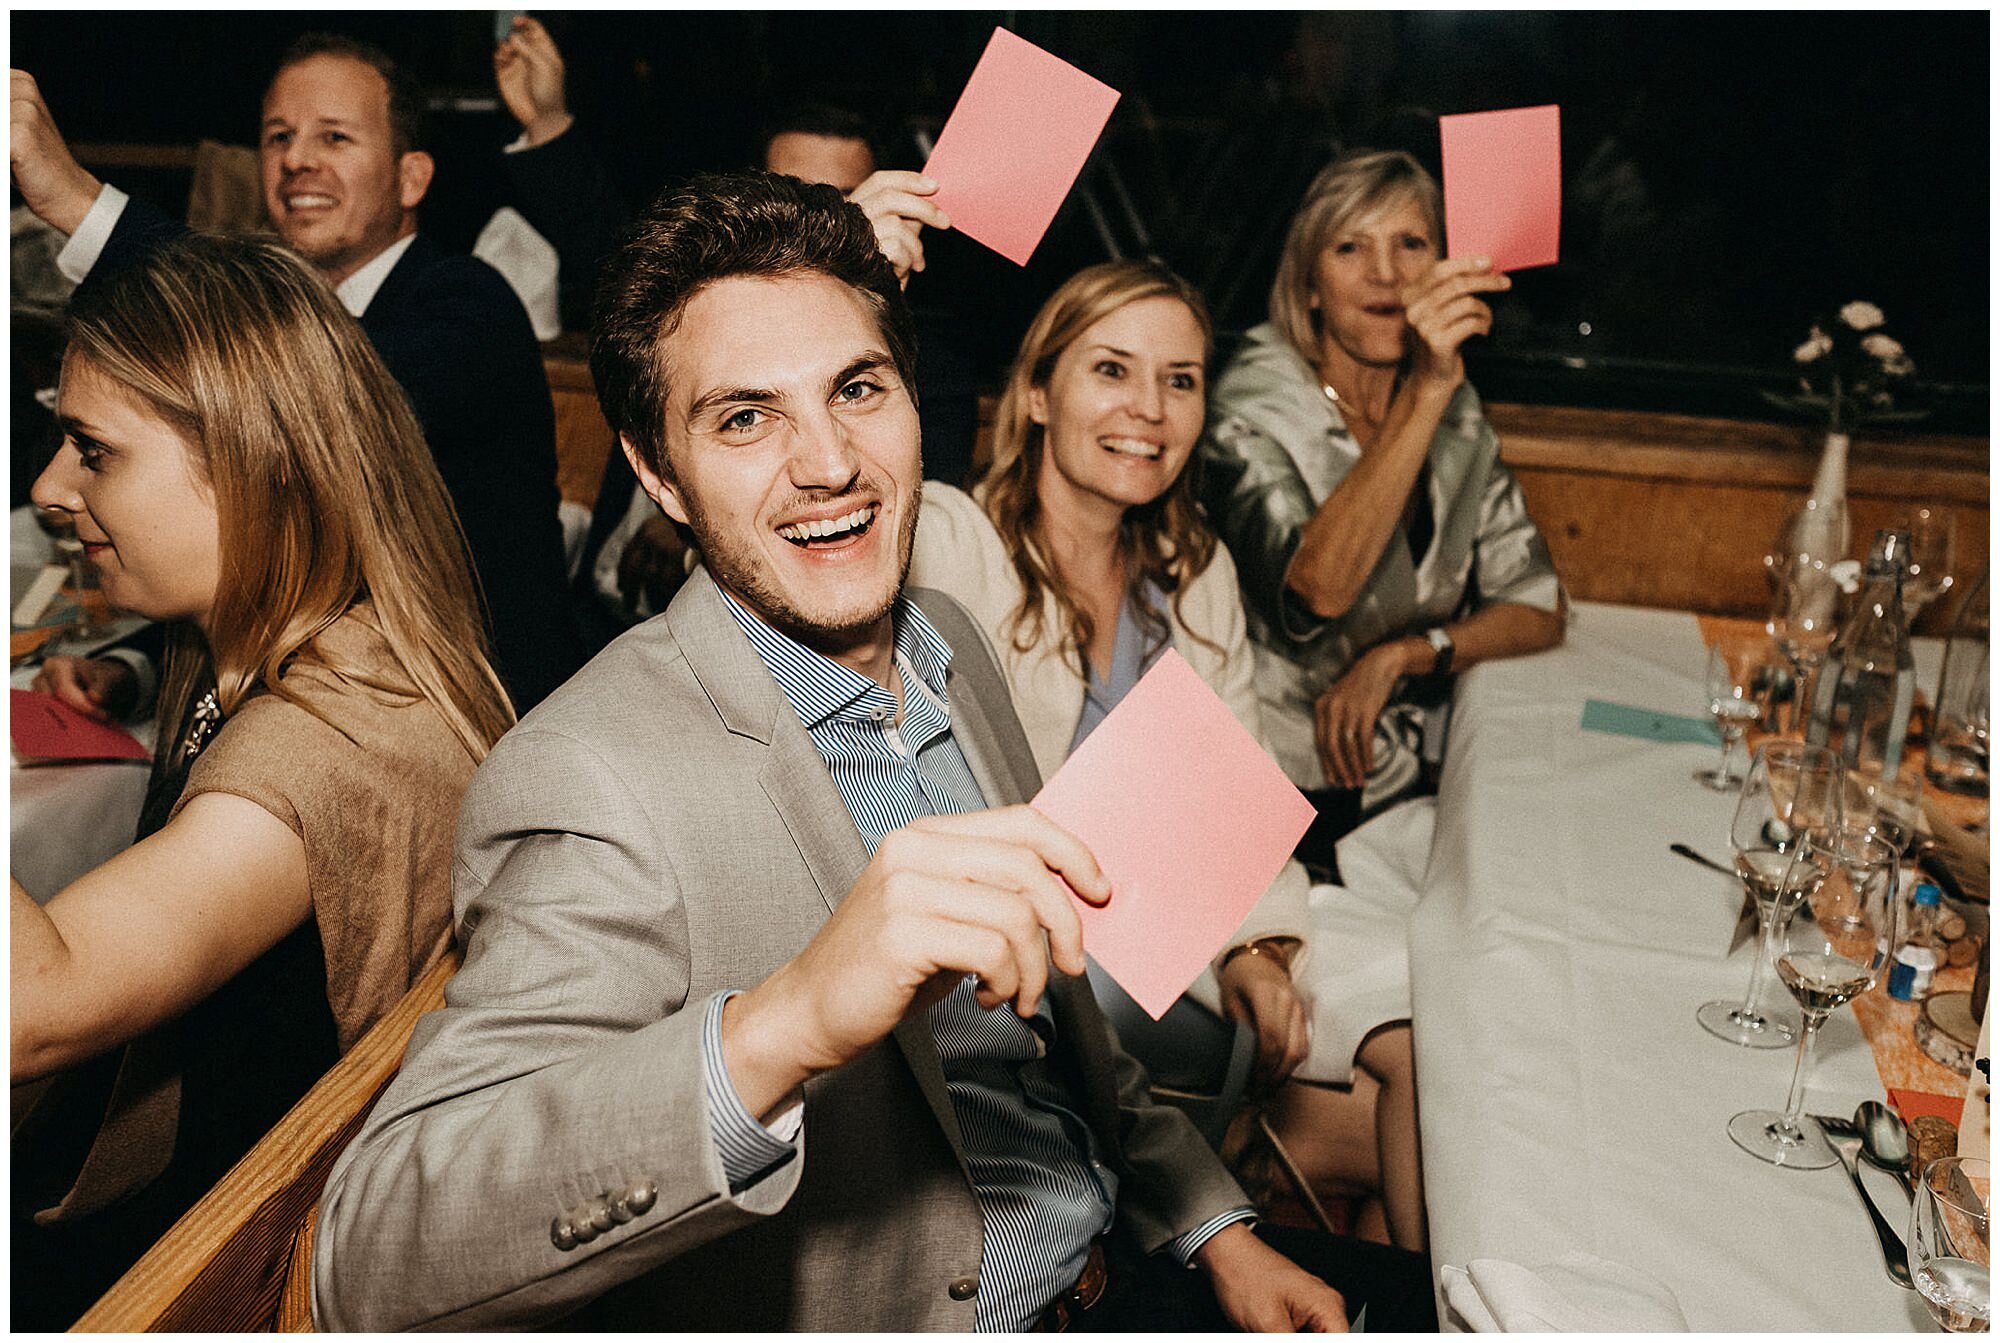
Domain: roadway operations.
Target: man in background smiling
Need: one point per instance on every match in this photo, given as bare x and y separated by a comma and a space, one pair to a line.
343, 171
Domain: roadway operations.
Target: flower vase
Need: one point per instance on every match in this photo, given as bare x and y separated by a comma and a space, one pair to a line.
1820, 528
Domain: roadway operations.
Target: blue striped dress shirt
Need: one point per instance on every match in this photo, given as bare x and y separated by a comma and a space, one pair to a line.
1043, 1193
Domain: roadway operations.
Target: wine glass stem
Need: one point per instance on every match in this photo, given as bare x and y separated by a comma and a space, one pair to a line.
1730, 736
1769, 912
1803, 693
1796, 1100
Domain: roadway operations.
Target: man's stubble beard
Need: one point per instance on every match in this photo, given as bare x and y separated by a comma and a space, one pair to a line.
726, 566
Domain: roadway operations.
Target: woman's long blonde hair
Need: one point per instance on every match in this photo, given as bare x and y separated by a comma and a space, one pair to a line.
325, 492
1166, 542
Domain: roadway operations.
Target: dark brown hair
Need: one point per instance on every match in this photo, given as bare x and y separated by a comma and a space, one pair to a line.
406, 94
714, 227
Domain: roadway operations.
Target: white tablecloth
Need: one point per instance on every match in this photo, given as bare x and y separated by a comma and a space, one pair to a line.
63, 820
1570, 1102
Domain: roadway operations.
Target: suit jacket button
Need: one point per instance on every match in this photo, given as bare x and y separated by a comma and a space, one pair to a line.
598, 1214
963, 1289
642, 1197
562, 1233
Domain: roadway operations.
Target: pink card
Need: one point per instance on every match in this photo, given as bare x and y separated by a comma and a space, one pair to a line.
47, 729
1189, 818
1503, 185
1014, 144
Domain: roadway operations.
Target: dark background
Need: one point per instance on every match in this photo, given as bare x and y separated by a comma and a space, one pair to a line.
1727, 177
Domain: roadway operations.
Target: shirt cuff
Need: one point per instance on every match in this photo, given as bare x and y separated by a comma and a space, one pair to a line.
85, 245
1183, 1246
142, 672
748, 1149
519, 144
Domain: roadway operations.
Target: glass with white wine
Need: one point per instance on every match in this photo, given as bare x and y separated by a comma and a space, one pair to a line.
1830, 948
1950, 1243
1789, 806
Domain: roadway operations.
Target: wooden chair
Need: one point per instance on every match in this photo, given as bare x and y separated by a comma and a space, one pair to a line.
241, 1258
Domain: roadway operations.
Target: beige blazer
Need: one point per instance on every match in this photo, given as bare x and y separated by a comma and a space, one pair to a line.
658, 831
959, 552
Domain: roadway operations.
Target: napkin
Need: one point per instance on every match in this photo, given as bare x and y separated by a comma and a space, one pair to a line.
1629, 720
529, 264
1578, 1293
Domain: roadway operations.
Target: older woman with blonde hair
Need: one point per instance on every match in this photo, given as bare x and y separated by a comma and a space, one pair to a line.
1349, 467
240, 466
1083, 554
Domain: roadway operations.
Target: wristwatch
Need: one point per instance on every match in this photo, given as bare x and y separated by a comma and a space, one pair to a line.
1442, 646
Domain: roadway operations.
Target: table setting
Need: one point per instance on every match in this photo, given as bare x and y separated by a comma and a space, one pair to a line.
1589, 1143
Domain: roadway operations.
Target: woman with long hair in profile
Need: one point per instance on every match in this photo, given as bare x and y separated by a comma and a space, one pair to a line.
240, 466
1082, 553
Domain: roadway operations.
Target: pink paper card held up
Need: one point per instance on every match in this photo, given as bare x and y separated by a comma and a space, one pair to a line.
46, 729
1013, 146
1188, 817
1503, 185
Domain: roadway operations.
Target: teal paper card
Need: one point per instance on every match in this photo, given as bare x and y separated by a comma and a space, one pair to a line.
1626, 720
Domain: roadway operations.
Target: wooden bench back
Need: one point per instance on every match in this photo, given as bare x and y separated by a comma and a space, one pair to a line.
241, 1258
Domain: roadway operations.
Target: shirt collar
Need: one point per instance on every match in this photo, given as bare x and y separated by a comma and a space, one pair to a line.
819, 689
358, 290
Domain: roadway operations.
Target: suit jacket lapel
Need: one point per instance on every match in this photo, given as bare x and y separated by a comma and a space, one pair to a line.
795, 778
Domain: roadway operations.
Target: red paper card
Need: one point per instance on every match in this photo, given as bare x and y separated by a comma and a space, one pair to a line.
45, 728
1014, 144
1910, 1104
1503, 185
1189, 818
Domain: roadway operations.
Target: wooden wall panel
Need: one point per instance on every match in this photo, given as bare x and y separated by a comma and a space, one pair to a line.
1676, 511
583, 439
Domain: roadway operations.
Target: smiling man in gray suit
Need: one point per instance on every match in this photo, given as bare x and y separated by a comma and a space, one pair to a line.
757, 1027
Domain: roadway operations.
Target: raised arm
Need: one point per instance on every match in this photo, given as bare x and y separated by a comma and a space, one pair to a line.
1340, 544
152, 932
53, 184
573, 1052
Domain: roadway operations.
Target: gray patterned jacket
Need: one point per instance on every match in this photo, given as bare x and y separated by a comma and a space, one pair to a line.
1274, 449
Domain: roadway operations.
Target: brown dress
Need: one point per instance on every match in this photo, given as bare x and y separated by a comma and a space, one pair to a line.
370, 779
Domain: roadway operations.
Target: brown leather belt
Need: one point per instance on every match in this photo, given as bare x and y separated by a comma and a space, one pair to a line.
1069, 1305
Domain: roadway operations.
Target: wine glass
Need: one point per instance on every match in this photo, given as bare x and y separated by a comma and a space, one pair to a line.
1950, 1239
1803, 617
1791, 796
1830, 948
1734, 684
1890, 803
1928, 577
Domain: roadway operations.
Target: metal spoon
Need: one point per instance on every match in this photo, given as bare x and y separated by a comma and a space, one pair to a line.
1685, 852
1885, 1142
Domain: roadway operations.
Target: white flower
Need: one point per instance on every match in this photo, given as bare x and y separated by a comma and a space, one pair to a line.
1899, 366
1847, 573
1808, 352
1862, 315
1882, 347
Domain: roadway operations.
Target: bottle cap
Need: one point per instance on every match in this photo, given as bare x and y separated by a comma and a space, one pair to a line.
1927, 894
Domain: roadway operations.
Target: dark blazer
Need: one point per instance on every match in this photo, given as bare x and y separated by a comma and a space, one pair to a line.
457, 340
658, 832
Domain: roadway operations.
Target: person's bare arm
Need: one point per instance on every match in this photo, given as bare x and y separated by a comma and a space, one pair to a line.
1344, 538
147, 935
1344, 717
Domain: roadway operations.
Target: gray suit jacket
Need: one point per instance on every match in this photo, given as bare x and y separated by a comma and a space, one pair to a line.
658, 831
